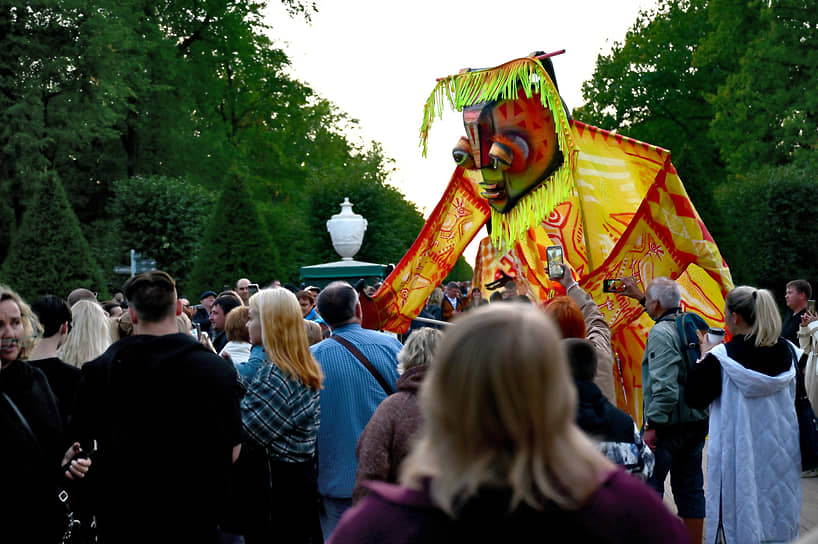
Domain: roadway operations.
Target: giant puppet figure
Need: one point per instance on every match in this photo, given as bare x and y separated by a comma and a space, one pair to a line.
539, 178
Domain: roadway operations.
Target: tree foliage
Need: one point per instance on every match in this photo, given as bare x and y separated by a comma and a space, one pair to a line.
236, 242
49, 254
161, 218
118, 99
727, 86
648, 88
767, 243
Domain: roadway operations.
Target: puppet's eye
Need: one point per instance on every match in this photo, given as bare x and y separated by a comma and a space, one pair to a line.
501, 156
462, 154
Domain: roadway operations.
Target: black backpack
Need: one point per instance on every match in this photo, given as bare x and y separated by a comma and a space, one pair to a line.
687, 323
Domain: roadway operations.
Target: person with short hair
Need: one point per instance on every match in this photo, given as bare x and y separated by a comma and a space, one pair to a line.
218, 317
749, 383
453, 303
350, 395
79, 294
237, 349
386, 440
616, 435
673, 429
499, 457
159, 393
112, 308
202, 314
798, 292
243, 289
55, 317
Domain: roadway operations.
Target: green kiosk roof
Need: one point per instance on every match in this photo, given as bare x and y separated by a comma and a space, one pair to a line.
321, 275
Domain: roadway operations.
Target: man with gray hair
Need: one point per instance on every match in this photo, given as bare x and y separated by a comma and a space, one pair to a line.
674, 431
360, 370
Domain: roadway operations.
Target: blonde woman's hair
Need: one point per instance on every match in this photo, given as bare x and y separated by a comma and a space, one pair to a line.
758, 309
314, 332
90, 334
31, 325
499, 407
418, 349
284, 337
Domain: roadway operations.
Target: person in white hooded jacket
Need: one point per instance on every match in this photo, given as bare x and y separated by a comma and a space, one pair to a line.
754, 460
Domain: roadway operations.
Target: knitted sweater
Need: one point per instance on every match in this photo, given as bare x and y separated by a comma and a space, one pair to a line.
386, 439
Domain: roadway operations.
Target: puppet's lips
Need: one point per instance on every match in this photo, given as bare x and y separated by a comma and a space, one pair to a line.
493, 191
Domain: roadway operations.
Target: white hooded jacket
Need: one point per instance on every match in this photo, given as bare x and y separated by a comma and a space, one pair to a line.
753, 456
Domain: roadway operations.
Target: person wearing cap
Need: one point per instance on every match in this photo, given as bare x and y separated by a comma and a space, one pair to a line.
452, 301
202, 315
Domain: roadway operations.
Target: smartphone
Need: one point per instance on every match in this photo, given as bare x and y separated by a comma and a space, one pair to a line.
811, 306
252, 288
198, 328
553, 255
611, 285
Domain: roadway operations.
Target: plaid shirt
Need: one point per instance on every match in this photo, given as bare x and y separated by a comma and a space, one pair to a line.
281, 415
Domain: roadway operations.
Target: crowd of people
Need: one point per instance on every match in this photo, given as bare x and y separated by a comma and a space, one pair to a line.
270, 414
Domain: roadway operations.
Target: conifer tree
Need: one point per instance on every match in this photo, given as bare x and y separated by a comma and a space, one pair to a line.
48, 253
236, 243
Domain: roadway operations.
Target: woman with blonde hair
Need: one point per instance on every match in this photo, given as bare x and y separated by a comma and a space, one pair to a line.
90, 334
753, 455
499, 457
280, 416
33, 444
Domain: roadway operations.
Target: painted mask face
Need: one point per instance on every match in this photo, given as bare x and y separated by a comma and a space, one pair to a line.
512, 147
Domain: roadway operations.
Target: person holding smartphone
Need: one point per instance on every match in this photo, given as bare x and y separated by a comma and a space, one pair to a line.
579, 317
808, 341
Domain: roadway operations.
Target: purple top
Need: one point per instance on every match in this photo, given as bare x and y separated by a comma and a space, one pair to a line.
623, 509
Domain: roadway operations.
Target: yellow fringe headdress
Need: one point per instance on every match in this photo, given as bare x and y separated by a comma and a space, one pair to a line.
504, 82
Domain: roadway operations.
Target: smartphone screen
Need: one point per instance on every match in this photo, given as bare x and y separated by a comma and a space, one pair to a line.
252, 288
553, 255
613, 285
811, 306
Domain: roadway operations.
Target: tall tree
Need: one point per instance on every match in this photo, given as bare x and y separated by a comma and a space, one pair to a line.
49, 253
236, 243
766, 112
648, 88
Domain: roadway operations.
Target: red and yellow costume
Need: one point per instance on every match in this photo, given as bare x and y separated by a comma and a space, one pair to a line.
616, 206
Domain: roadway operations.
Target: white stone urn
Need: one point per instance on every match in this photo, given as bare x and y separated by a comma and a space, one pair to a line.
347, 231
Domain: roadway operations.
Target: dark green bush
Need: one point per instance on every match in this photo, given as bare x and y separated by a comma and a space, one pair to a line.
48, 253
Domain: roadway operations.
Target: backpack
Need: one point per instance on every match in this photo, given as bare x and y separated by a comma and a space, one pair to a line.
687, 323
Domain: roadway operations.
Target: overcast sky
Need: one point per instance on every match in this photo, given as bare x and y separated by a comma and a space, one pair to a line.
378, 60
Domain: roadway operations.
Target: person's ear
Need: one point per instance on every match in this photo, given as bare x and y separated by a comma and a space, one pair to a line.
178, 307
64, 328
132, 313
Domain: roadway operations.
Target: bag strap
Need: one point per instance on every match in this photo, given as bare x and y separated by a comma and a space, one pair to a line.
364, 361
22, 418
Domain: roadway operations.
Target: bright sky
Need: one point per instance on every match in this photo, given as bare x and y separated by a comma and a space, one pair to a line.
378, 61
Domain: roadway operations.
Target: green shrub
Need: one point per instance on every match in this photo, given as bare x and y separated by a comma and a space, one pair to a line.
163, 219
48, 253
236, 242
